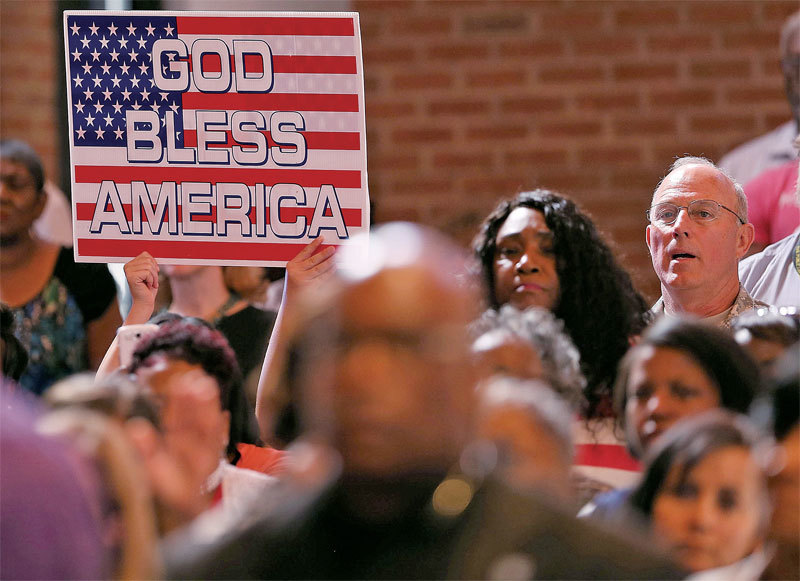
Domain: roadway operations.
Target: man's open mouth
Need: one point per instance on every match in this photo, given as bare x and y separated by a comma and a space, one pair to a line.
679, 255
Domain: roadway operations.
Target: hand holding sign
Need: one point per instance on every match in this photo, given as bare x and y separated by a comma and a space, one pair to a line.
142, 276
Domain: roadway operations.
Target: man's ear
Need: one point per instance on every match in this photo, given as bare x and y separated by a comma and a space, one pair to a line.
647, 238
744, 238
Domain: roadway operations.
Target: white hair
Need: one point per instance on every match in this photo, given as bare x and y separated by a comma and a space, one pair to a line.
790, 28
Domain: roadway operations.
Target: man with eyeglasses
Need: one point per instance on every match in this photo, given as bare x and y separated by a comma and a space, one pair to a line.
697, 234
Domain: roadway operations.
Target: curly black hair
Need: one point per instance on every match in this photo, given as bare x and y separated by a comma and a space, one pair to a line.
598, 302
199, 344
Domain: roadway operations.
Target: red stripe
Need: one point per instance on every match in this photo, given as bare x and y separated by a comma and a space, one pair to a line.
605, 456
349, 141
331, 65
295, 26
271, 101
191, 249
313, 178
352, 216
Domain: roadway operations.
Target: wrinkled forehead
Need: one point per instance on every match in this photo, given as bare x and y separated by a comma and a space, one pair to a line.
696, 182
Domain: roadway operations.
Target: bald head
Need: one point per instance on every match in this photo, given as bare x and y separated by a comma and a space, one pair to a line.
398, 380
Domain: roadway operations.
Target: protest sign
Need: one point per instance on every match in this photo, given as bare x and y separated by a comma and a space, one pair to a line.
214, 137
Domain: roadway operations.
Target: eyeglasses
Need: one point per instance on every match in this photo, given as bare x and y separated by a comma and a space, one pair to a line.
701, 211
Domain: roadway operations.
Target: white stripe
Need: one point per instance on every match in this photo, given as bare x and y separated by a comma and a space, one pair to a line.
315, 120
287, 44
349, 84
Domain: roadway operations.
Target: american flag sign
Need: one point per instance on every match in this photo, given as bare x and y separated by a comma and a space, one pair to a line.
214, 137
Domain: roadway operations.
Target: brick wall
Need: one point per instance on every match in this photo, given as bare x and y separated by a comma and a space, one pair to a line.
468, 102
28, 72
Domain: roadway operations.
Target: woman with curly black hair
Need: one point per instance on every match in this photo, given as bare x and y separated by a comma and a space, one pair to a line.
540, 249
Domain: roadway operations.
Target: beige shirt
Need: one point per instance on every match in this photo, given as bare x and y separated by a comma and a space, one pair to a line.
743, 303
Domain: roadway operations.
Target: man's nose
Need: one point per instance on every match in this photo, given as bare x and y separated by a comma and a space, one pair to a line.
682, 221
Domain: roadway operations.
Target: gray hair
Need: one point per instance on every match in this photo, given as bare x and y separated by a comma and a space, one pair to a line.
741, 198
560, 357
790, 28
545, 407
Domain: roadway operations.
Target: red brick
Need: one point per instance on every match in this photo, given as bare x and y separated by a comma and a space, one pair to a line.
610, 155
681, 97
752, 39
458, 51
645, 71
417, 186
536, 156
533, 104
679, 42
566, 181
531, 48
606, 45
422, 81
720, 69
422, 25
666, 153
647, 14
458, 107
387, 54
388, 109
604, 99
571, 74
751, 94
570, 128
493, 132
778, 11
393, 160
379, 5
383, 216
505, 185
644, 125
721, 13
722, 123
505, 23
496, 78
772, 120
641, 179
581, 17
422, 134
460, 160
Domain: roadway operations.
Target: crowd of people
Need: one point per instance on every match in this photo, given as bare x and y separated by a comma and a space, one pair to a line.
516, 412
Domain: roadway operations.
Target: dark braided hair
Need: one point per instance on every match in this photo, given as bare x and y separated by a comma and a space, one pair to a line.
598, 303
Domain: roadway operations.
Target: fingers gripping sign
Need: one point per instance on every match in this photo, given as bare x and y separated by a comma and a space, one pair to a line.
142, 276
310, 264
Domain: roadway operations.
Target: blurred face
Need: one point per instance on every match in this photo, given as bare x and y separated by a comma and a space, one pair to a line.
765, 352
532, 456
524, 263
20, 203
500, 353
715, 516
784, 486
664, 386
181, 270
688, 255
400, 392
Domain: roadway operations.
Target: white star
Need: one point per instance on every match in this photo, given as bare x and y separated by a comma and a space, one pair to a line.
145, 95
115, 80
174, 107
168, 29
117, 108
89, 120
108, 119
163, 122
98, 107
164, 96
87, 68
77, 80
123, 42
124, 69
112, 30
134, 81
114, 54
95, 55
154, 106
152, 82
93, 28
107, 95
80, 132
79, 107
88, 94
126, 95
118, 133
177, 135
76, 56
143, 68
106, 67
97, 81
104, 42
136, 106
164, 70
171, 55
74, 28
133, 56
131, 29
149, 28
142, 42
100, 133
85, 42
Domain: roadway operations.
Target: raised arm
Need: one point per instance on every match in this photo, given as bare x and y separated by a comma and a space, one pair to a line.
311, 266
142, 276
